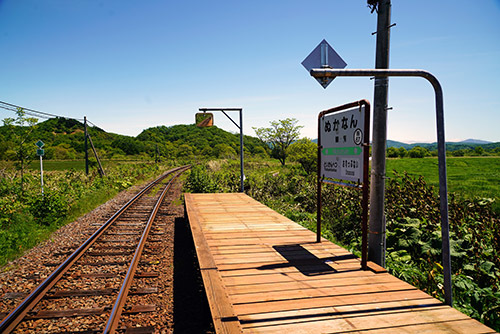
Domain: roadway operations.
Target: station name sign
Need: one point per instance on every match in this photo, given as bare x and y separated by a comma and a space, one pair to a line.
343, 139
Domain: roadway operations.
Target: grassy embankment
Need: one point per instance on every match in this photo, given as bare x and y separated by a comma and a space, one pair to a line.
27, 217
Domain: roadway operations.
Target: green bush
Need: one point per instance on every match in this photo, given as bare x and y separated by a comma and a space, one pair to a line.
199, 181
49, 208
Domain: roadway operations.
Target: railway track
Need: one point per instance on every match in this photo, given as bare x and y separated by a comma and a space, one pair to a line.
105, 285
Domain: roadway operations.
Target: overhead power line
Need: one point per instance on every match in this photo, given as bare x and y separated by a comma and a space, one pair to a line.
37, 113
13, 107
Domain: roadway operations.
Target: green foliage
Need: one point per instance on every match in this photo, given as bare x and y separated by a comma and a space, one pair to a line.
199, 181
20, 130
280, 136
28, 218
392, 152
64, 139
189, 141
49, 207
418, 152
305, 152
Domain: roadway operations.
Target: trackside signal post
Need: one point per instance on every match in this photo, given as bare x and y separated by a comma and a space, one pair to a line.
343, 157
443, 188
40, 152
240, 110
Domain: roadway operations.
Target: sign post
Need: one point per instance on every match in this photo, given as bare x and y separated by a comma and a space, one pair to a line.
240, 126
40, 152
343, 156
443, 187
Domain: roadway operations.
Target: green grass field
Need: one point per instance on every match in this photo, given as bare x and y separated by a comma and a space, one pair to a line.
50, 165
467, 176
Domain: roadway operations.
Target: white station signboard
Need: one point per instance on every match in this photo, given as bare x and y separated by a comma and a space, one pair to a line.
342, 139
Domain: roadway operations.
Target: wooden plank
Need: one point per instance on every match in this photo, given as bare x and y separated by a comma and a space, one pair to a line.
306, 293
269, 276
225, 320
439, 318
318, 302
303, 284
313, 320
375, 267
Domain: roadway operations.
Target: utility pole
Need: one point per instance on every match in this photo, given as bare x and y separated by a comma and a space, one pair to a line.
86, 146
376, 242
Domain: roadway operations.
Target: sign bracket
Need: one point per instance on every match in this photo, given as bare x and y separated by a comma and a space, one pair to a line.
443, 187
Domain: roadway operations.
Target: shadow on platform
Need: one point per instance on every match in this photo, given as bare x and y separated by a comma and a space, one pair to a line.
305, 262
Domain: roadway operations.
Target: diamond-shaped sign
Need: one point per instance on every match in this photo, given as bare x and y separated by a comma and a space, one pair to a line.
323, 56
39, 144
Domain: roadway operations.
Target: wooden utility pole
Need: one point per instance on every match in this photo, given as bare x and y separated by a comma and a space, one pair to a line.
376, 242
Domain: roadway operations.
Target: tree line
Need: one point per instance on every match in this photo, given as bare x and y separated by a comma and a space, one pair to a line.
64, 140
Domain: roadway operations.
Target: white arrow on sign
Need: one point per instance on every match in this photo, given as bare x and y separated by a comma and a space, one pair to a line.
323, 56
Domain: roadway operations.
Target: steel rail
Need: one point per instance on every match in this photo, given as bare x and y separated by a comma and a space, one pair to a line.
117, 309
10, 322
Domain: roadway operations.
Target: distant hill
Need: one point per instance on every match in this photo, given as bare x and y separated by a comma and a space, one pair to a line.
475, 141
64, 139
397, 144
209, 141
450, 146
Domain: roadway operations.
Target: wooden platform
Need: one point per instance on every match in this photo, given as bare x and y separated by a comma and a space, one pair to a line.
263, 273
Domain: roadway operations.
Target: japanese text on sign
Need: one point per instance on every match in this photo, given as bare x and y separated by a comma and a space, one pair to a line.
342, 144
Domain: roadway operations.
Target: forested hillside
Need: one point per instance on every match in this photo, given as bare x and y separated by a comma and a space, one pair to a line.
64, 139
190, 140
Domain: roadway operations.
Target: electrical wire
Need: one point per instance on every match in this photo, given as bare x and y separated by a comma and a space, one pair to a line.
39, 114
31, 111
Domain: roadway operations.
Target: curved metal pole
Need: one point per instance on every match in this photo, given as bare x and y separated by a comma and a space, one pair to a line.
443, 187
223, 110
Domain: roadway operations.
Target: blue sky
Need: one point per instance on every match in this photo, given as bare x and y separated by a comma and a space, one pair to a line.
130, 65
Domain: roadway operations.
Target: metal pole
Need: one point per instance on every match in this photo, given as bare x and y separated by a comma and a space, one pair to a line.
443, 187
242, 175
86, 146
319, 200
366, 163
443, 192
223, 110
41, 172
376, 239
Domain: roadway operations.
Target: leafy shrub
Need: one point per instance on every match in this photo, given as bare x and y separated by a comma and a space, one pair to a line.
49, 208
199, 181
418, 152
